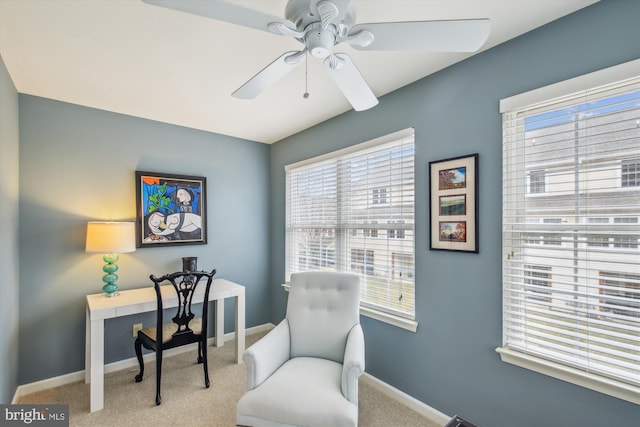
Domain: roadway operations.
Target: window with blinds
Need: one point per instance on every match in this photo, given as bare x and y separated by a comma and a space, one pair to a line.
571, 232
353, 211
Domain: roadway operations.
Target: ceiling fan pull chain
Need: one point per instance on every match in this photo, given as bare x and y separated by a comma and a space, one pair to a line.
306, 78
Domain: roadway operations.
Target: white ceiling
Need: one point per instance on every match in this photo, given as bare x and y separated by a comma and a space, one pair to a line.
132, 58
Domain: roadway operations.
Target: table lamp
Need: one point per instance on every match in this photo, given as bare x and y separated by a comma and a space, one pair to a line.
111, 239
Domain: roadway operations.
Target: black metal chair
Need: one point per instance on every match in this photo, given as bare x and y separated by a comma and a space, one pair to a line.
185, 327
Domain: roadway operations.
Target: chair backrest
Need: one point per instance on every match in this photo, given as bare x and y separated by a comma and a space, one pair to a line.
185, 285
321, 310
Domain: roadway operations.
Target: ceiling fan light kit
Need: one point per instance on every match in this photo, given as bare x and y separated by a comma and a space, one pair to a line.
320, 25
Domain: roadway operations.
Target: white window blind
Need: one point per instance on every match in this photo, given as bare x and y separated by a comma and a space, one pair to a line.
353, 211
571, 273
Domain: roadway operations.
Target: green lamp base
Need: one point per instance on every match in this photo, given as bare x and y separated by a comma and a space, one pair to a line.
110, 288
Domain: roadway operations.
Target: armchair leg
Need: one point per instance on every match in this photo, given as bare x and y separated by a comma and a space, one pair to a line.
200, 359
138, 346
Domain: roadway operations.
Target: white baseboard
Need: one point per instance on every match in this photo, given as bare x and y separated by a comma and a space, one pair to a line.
408, 401
132, 363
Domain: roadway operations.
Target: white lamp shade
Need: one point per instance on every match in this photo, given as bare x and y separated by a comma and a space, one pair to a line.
110, 237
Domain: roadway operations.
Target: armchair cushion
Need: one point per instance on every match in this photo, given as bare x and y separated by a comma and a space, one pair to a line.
299, 394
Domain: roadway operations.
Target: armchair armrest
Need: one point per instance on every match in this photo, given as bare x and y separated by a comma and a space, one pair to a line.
353, 365
265, 356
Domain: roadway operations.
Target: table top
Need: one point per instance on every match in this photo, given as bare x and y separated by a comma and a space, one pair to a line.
139, 300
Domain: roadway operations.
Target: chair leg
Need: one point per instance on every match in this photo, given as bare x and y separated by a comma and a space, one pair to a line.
158, 374
138, 346
200, 352
206, 364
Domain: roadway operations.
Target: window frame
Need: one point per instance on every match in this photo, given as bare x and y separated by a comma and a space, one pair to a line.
543, 365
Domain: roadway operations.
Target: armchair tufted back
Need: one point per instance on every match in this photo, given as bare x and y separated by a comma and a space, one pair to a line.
321, 310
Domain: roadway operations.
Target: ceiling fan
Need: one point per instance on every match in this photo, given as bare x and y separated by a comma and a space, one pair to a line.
322, 24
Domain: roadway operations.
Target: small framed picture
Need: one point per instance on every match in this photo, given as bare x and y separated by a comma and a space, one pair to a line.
453, 204
170, 209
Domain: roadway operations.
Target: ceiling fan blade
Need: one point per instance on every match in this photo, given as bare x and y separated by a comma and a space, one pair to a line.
270, 74
223, 11
345, 74
466, 35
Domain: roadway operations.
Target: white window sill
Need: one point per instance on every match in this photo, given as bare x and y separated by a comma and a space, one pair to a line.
400, 322
588, 380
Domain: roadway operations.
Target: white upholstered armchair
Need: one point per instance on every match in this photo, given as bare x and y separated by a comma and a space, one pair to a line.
305, 371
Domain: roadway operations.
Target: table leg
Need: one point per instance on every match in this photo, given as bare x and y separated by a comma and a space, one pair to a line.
87, 347
96, 365
240, 326
219, 322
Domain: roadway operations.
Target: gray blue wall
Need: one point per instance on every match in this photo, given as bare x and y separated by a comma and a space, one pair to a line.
450, 362
9, 276
77, 164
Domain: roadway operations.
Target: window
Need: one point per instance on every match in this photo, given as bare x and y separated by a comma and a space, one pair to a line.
537, 280
371, 232
624, 240
379, 196
585, 328
631, 173
537, 179
618, 240
353, 211
548, 239
620, 294
598, 240
398, 233
362, 261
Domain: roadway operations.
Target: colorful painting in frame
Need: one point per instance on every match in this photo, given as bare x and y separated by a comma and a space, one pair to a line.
170, 209
453, 204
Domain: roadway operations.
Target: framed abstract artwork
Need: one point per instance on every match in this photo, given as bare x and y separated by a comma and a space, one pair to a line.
170, 209
453, 204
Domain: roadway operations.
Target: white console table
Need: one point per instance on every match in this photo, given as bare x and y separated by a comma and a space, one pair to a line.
133, 301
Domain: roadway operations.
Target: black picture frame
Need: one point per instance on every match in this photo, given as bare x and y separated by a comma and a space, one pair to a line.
170, 209
453, 204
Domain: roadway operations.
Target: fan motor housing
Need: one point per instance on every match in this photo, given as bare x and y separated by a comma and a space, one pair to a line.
319, 42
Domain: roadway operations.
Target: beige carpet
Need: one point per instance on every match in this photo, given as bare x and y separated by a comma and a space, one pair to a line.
185, 401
